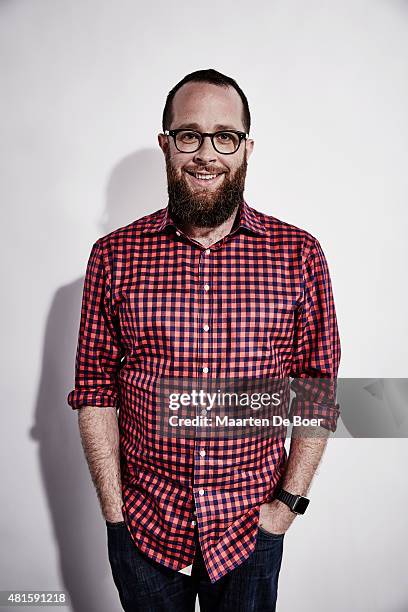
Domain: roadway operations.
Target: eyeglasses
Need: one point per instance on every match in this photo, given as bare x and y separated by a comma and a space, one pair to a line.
226, 142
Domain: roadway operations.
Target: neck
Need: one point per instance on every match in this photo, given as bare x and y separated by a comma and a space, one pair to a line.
210, 235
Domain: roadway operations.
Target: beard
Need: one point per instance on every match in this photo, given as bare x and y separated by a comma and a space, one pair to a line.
205, 207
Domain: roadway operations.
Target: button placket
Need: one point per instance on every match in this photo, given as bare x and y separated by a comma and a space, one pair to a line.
204, 314
203, 368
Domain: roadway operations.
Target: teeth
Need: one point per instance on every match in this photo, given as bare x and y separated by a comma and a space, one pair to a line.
206, 177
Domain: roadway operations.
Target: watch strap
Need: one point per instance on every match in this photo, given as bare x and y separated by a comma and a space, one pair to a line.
297, 503
286, 497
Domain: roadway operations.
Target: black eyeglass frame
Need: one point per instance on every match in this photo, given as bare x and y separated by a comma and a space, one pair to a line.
242, 136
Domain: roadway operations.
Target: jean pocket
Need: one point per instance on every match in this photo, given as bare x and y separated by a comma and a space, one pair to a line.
269, 534
115, 525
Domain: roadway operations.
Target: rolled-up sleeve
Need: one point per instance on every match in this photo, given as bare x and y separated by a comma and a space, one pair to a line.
316, 352
99, 351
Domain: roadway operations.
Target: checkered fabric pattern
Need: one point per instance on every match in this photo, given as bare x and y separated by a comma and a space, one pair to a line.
156, 303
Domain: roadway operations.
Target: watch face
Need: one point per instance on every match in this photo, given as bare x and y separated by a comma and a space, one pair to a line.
300, 505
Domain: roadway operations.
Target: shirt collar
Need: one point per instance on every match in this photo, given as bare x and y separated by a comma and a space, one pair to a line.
249, 218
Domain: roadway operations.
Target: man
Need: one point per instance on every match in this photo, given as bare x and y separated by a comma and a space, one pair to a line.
205, 288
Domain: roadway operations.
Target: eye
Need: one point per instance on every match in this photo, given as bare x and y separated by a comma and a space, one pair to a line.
187, 137
225, 137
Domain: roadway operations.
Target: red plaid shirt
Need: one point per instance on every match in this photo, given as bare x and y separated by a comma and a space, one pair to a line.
257, 303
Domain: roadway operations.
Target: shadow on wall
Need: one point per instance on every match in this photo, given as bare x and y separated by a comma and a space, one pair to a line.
137, 186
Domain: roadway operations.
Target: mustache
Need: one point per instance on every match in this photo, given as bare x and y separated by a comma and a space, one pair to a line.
209, 169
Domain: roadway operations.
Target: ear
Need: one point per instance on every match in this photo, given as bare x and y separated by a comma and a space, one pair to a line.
249, 145
163, 142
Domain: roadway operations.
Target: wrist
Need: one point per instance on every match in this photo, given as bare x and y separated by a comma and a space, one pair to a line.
297, 504
113, 517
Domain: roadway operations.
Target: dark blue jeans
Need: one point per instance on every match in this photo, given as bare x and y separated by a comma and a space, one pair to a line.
147, 586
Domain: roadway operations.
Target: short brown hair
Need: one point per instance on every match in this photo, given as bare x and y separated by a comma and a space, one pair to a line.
206, 76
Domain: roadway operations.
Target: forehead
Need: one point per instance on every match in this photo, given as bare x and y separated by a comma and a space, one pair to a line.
207, 105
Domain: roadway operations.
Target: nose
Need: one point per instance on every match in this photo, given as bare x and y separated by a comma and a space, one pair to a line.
206, 153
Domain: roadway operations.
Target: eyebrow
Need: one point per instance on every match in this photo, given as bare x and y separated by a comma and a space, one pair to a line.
196, 126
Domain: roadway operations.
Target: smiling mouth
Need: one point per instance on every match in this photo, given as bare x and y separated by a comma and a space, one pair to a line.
204, 177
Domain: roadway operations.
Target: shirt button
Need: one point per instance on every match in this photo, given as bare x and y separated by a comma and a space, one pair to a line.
201, 491
206, 287
206, 327
194, 512
208, 251
193, 523
202, 453
205, 369
204, 412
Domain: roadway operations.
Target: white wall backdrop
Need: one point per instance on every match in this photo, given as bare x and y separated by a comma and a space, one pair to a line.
83, 85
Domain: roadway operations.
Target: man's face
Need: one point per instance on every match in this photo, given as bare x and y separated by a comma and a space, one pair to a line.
205, 202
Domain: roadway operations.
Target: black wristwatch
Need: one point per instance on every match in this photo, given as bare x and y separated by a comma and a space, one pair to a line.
297, 503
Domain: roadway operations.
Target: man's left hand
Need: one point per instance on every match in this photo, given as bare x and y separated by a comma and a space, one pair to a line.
275, 517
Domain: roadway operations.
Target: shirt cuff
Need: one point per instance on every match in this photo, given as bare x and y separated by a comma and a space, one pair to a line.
328, 414
93, 397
